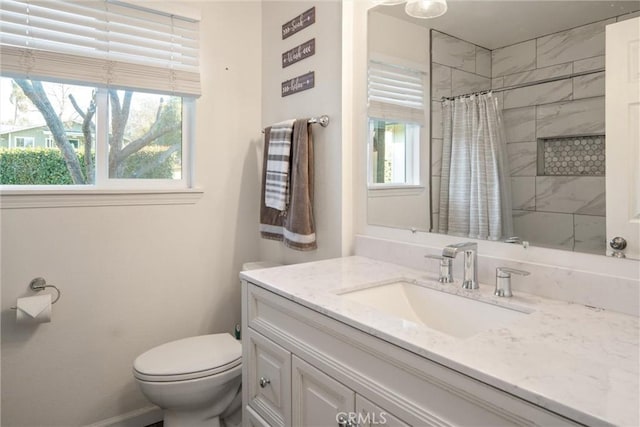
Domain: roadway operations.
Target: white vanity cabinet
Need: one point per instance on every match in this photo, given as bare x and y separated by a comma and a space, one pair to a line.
302, 368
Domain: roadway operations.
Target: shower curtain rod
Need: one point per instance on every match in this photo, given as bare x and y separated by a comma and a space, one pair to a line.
527, 84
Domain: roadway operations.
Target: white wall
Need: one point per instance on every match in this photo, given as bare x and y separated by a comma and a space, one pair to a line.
324, 98
135, 277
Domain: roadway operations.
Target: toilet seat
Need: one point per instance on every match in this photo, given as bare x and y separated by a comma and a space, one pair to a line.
189, 358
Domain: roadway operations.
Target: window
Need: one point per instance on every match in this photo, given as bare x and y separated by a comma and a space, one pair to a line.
396, 120
109, 91
393, 159
24, 142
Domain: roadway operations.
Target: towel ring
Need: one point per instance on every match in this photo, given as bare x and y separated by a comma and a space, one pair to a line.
39, 284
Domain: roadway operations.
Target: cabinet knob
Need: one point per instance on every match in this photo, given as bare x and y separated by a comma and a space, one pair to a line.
264, 382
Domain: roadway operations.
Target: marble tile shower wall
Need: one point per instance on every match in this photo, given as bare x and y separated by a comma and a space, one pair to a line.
457, 67
565, 212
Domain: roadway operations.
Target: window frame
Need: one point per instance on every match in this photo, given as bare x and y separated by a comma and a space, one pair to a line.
57, 57
113, 191
380, 108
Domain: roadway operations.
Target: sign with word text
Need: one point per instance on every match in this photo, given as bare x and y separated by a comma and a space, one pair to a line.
298, 84
299, 53
299, 23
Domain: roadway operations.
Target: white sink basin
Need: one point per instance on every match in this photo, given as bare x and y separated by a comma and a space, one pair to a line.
454, 315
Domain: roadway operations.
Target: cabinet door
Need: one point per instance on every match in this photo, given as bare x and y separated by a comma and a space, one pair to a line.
318, 400
371, 415
269, 379
251, 419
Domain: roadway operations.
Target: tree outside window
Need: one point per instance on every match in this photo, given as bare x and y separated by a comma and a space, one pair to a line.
144, 138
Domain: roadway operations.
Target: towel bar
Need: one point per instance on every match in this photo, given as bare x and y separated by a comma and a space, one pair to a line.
323, 120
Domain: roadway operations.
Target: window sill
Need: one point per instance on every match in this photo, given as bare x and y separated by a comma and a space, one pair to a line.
26, 199
395, 190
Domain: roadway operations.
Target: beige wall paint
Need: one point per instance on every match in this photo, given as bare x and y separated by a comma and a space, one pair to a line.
325, 98
135, 277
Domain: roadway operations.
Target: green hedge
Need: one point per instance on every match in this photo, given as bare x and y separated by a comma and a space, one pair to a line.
45, 166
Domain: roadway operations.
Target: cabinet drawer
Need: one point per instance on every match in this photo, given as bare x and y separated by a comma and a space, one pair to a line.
269, 379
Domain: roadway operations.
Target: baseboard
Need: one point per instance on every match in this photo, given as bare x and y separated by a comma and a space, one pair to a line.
138, 418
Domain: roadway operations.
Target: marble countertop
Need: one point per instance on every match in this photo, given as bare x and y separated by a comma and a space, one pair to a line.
577, 361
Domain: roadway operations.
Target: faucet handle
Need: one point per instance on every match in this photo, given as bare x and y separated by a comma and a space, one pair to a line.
503, 280
507, 272
446, 264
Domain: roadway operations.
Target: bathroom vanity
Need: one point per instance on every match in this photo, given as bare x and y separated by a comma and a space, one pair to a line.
356, 341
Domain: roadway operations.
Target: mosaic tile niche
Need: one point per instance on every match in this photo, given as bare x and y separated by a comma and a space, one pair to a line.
572, 156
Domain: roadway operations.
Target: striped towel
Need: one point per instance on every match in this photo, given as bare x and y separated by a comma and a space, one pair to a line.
295, 227
278, 161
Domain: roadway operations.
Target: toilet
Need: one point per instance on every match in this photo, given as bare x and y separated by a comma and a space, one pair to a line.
195, 380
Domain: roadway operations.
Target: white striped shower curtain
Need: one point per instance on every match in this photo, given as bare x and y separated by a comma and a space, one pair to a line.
475, 190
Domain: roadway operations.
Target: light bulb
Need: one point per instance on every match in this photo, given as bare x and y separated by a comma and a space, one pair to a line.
426, 8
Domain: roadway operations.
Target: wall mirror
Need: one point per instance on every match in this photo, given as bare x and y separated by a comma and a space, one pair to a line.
546, 77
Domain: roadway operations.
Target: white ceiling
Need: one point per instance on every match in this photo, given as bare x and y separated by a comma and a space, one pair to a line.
492, 24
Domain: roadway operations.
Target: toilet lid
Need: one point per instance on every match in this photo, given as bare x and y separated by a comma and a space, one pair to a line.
189, 358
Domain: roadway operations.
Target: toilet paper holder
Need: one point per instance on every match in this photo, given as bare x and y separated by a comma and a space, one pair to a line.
39, 284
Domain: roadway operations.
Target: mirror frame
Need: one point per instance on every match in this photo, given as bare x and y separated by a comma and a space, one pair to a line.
354, 126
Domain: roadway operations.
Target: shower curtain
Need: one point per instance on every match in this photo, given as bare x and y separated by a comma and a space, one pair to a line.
475, 190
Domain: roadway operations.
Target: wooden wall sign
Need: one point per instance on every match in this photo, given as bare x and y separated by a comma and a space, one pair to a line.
298, 23
299, 53
298, 84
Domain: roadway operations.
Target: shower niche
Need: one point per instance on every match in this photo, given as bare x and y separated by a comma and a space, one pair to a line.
582, 155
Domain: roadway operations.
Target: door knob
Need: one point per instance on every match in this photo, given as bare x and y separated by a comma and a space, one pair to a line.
618, 244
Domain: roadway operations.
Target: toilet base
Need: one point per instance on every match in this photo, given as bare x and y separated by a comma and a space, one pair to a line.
194, 403
190, 418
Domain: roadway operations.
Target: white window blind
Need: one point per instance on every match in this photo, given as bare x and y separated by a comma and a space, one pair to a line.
106, 43
395, 92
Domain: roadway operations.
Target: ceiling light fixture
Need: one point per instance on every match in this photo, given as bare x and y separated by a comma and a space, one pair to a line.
423, 9
388, 2
426, 9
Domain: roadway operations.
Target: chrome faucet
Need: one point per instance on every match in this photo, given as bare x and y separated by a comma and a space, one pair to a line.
470, 250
